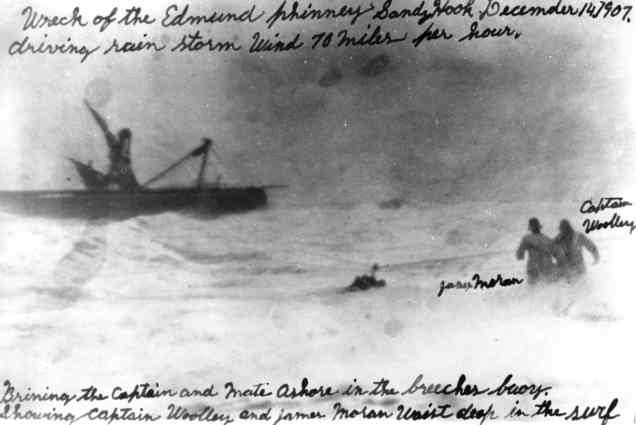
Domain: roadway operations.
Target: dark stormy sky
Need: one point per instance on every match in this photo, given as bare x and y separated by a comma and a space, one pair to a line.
546, 116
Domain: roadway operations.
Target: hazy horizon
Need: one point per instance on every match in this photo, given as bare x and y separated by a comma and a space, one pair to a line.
546, 115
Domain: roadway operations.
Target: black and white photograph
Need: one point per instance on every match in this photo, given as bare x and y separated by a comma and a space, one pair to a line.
312, 211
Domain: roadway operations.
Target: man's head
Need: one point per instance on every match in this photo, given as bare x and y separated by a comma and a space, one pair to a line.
565, 227
124, 135
534, 226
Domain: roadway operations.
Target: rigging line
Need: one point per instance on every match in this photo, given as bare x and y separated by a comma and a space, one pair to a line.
203, 149
601, 242
397, 266
450, 259
167, 170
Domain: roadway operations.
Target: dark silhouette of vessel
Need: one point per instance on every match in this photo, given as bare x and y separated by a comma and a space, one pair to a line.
95, 204
103, 199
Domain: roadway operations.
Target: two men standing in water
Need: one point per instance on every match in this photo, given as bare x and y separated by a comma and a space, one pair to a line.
549, 260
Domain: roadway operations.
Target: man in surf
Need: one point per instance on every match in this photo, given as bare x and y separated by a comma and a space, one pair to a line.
541, 252
120, 174
367, 281
570, 245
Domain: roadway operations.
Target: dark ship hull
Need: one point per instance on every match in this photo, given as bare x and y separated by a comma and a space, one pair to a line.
94, 204
119, 195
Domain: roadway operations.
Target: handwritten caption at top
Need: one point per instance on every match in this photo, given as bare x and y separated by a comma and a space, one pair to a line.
358, 25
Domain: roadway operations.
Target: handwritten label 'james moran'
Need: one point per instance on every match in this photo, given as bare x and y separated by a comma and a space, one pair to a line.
478, 283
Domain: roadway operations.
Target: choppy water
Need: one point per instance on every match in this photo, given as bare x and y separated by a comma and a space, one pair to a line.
184, 299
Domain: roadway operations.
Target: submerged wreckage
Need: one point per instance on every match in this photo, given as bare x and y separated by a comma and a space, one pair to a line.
117, 194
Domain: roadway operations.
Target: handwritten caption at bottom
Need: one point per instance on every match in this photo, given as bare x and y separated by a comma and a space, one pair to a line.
420, 399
